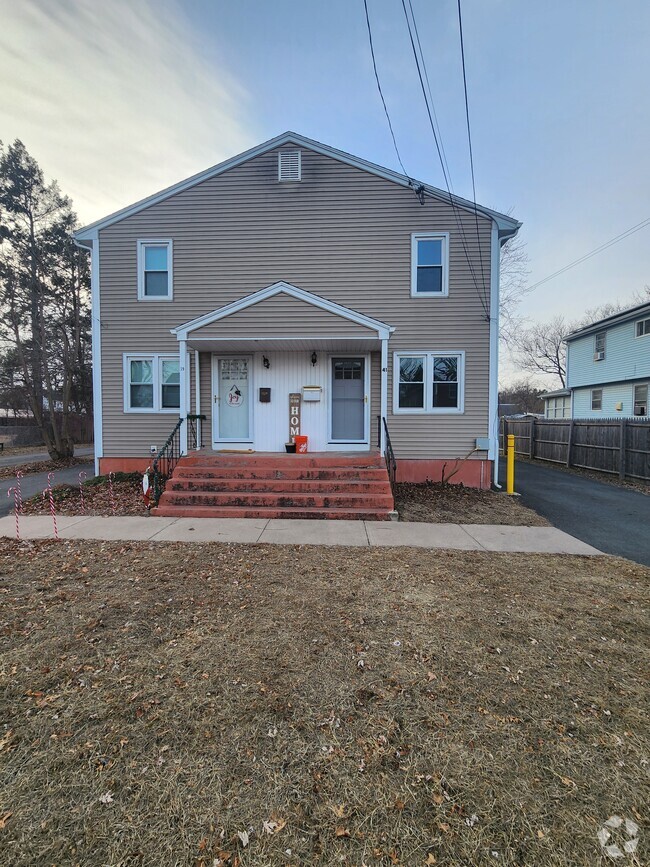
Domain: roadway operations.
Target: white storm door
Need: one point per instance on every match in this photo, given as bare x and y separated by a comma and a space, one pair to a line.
232, 419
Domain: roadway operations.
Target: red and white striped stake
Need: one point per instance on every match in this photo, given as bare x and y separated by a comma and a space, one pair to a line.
82, 479
111, 476
19, 476
14, 491
48, 492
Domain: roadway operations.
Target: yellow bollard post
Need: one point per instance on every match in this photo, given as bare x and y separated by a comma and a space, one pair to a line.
510, 475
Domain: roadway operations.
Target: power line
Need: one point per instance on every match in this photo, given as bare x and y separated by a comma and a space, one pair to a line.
469, 140
374, 66
482, 298
610, 243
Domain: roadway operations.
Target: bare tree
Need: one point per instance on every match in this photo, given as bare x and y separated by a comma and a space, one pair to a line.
44, 299
513, 286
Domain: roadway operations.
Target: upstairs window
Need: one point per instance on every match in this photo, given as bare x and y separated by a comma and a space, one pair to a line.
643, 328
599, 346
428, 382
155, 270
640, 400
596, 399
429, 264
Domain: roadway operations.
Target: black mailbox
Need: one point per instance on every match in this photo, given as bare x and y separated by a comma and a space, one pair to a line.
265, 395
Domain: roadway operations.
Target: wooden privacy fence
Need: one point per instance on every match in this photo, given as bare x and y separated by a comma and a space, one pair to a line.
618, 446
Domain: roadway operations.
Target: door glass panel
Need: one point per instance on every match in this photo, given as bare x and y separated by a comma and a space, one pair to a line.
348, 399
234, 399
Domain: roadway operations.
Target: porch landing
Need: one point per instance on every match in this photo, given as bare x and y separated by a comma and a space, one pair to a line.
324, 485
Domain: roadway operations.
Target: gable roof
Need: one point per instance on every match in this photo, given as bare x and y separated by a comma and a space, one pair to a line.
182, 331
507, 225
614, 319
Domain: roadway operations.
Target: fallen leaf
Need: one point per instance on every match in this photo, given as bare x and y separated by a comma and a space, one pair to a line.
443, 827
106, 798
399, 804
4, 819
4, 740
243, 836
431, 859
339, 811
540, 834
438, 799
342, 832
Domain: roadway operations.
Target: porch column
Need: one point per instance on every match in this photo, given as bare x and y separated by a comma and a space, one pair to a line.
182, 357
383, 401
197, 399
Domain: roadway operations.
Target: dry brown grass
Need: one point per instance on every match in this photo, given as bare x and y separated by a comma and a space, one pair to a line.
435, 503
372, 706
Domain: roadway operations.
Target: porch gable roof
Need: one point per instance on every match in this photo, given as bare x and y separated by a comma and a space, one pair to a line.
182, 332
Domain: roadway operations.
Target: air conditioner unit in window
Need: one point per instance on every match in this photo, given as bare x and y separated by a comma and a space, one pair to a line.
599, 356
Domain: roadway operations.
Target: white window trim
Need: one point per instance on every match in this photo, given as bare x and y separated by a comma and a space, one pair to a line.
636, 328
428, 409
146, 242
156, 358
591, 399
647, 400
430, 236
603, 335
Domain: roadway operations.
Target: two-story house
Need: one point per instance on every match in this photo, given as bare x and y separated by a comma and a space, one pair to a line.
297, 269
608, 366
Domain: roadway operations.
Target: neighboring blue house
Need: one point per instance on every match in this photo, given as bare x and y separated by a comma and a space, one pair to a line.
608, 366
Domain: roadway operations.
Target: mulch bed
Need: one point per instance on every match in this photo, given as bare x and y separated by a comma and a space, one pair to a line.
242, 705
41, 467
435, 503
127, 497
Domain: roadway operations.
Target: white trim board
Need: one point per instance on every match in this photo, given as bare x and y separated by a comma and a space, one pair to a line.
183, 331
505, 223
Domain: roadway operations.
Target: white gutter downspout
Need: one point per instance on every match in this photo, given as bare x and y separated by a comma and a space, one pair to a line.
493, 388
197, 399
96, 345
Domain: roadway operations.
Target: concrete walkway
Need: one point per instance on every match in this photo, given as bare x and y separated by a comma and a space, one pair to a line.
465, 537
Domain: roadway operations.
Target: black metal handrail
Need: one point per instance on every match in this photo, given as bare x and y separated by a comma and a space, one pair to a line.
391, 463
169, 455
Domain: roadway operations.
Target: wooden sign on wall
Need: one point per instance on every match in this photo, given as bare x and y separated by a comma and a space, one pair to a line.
294, 416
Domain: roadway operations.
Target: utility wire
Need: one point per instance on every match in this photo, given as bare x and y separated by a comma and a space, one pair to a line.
461, 229
610, 243
374, 66
469, 140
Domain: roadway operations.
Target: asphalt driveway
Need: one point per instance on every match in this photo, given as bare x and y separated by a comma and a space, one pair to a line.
614, 519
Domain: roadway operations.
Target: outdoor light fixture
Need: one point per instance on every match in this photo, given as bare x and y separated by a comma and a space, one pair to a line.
314, 358
266, 362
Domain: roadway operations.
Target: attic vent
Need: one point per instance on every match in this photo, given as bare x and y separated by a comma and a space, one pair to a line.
289, 168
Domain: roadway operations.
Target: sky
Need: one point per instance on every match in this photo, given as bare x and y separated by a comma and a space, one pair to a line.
120, 98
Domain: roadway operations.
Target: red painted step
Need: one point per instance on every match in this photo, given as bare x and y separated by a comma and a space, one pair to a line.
279, 485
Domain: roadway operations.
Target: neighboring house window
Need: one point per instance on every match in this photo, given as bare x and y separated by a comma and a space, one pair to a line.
640, 400
429, 264
155, 270
151, 383
596, 399
428, 382
643, 328
599, 347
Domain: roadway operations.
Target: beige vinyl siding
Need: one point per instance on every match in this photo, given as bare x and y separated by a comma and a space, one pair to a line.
282, 316
341, 233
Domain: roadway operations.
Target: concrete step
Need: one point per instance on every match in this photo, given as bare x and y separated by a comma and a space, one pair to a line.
350, 514
278, 500
191, 485
184, 471
286, 460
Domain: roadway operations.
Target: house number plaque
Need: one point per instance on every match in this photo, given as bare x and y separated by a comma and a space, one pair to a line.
294, 416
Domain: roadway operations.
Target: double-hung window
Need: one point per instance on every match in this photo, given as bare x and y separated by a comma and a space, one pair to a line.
429, 264
428, 382
155, 270
643, 328
641, 399
152, 383
599, 346
596, 399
